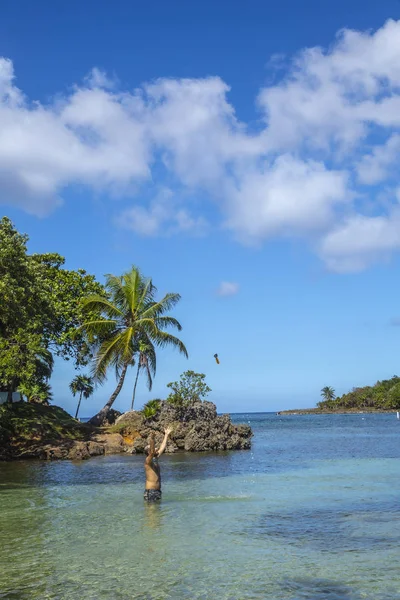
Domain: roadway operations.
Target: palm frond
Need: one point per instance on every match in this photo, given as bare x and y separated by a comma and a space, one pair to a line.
115, 286
100, 327
163, 322
156, 309
164, 339
102, 305
147, 295
149, 378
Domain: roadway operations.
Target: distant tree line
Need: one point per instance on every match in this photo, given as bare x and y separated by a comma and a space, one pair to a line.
384, 395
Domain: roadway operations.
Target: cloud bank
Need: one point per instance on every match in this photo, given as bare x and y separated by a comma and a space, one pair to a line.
322, 165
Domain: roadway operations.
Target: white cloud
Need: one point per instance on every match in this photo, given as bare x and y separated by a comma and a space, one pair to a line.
228, 288
161, 217
361, 241
379, 164
329, 134
286, 197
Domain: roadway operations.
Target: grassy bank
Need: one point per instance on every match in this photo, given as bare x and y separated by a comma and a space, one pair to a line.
24, 424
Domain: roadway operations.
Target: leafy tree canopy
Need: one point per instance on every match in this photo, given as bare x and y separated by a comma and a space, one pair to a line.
384, 395
40, 308
189, 388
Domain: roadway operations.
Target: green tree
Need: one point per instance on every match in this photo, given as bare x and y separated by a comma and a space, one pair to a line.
146, 361
24, 361
129, 315
37, 392
188, 389
65, 290
40, 309
151, 408
82, 384
328, 393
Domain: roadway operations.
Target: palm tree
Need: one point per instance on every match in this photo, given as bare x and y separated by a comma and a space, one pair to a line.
39, 392
328, 393
84, 385
129, 317
146, 362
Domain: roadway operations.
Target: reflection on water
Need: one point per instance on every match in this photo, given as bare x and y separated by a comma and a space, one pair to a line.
153, 515
311, 513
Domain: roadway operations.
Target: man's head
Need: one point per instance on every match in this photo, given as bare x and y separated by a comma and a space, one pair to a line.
147, 450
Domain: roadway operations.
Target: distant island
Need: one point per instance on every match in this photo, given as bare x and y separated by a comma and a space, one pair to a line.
384, 396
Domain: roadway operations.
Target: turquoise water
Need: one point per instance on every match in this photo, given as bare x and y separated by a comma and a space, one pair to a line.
312, 512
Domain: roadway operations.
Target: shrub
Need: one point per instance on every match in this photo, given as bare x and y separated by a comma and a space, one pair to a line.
151, 409
190, 388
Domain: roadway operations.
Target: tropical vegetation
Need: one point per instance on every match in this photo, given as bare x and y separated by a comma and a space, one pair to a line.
151, 408
384, 395
146, 361
48, 311
328, 393
82, 385
190, 387
131, 323
40, 313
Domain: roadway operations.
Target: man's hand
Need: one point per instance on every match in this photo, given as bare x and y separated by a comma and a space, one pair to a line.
167, 431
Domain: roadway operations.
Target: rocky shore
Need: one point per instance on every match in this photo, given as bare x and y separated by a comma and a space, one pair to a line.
49, 433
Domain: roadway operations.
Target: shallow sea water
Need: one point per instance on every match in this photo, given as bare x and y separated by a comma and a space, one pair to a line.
312, 512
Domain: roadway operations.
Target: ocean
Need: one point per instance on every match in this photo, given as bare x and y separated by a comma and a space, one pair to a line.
312, 512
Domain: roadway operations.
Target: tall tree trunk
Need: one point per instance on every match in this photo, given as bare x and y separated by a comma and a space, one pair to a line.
79, 404
134, 387
98, 419
10, 391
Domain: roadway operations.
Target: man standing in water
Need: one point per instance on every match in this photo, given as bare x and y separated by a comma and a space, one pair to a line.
152, 468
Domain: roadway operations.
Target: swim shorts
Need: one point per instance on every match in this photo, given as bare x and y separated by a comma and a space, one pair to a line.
152, 495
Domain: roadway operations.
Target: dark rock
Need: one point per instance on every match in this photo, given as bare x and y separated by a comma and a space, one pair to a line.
96, 449
110, 418
112, 443
196, 428
130, 421
79, 451
56, 452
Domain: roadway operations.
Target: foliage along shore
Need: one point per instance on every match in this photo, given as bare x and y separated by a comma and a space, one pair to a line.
382, 397
31, 430
338, 411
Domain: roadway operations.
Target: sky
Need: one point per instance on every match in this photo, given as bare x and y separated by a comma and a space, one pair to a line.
242, 154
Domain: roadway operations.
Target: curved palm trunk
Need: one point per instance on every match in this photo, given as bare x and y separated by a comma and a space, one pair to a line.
79, 404
134, 387
98, 419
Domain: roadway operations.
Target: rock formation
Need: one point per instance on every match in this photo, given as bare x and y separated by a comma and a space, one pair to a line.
49, 433
196, 428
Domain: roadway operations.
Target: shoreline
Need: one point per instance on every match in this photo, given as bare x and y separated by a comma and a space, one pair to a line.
343, 411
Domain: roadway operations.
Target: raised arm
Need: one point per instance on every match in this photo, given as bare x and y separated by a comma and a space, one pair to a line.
152, 450
164, 442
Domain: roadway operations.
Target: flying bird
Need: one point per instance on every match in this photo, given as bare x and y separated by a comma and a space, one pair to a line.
216, 358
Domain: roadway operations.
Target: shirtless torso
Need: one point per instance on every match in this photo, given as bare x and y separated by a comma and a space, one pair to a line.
153, 475
152, 468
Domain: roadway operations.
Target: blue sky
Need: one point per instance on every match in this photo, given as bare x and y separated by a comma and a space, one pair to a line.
242, 154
